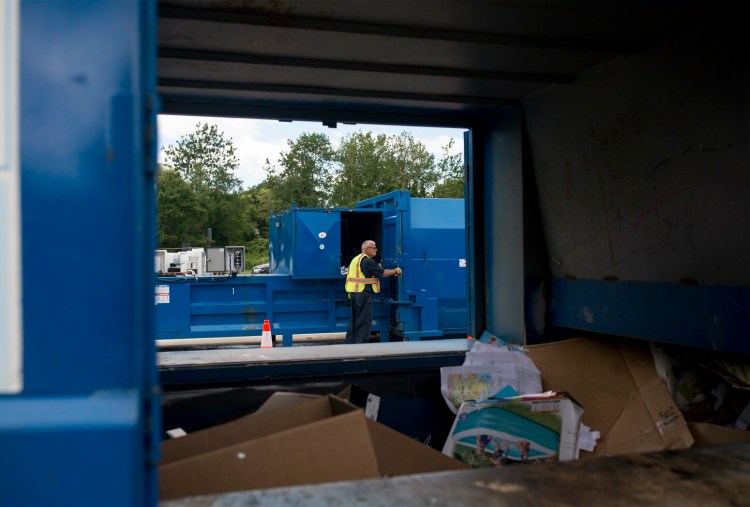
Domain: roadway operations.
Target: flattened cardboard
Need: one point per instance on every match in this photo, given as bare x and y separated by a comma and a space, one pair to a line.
281, 399
335, 449
343, 445
398, 454
707, 435
620, 391
252, 426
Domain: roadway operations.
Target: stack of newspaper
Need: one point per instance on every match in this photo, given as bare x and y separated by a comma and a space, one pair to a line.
502, 415
487, 370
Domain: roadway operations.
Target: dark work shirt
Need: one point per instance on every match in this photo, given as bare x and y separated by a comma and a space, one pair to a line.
370, 269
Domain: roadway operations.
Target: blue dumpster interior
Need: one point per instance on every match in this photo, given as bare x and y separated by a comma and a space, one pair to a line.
606, 161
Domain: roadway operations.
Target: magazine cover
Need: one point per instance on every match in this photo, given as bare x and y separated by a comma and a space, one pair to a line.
520, 429
486, 371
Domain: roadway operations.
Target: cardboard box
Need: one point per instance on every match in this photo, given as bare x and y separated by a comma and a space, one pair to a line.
281, 399
623, 397
317, 440
519, 429
276, 401
424, 418
299, 411
707, 435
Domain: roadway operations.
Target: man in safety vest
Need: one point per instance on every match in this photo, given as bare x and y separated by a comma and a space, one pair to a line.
362, 281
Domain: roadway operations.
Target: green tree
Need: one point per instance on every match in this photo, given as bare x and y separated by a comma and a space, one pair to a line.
181, 218
451, 171
198, 189
305, 174
260, 200
256, 252
230, 219
205, 161
359, 173
410, 165
374, 165
254, 227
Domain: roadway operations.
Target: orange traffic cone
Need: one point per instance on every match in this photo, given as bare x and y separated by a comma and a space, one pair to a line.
266, 341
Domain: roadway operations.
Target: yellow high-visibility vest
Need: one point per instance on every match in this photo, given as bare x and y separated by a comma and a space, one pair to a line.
355, 279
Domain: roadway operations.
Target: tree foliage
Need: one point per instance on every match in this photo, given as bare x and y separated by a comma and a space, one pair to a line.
179, 211
305, 173
368, 166
451, 174
197, 188
410, 165
361, 158
206, 160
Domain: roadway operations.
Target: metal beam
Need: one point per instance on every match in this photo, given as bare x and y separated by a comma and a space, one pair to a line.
336, 92
284, 20
365, 114
380, 68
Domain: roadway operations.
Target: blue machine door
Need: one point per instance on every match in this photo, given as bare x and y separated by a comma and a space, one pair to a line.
392, 247
318, 244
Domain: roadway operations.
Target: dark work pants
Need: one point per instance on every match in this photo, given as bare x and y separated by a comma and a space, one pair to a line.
361, 323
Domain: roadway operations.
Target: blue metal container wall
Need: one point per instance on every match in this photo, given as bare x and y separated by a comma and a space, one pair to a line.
236, 306
281, 242
427, 237
305, 292
306, 243
701, 316
646, 223
438, 245
75, 435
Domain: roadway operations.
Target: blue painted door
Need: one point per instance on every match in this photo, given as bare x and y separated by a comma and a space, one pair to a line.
83, 429
318, 244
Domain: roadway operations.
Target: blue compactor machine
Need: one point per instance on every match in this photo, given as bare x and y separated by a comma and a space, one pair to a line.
310, 248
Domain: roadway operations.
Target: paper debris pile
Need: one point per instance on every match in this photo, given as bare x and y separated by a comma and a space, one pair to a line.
502, 415
519, 429
626, 407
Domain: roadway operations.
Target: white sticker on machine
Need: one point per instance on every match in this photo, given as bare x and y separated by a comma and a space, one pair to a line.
162, 294
11, 311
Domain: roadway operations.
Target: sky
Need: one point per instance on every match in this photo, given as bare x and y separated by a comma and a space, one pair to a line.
258, 140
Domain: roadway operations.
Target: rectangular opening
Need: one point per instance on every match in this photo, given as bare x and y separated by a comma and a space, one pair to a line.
357, 227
